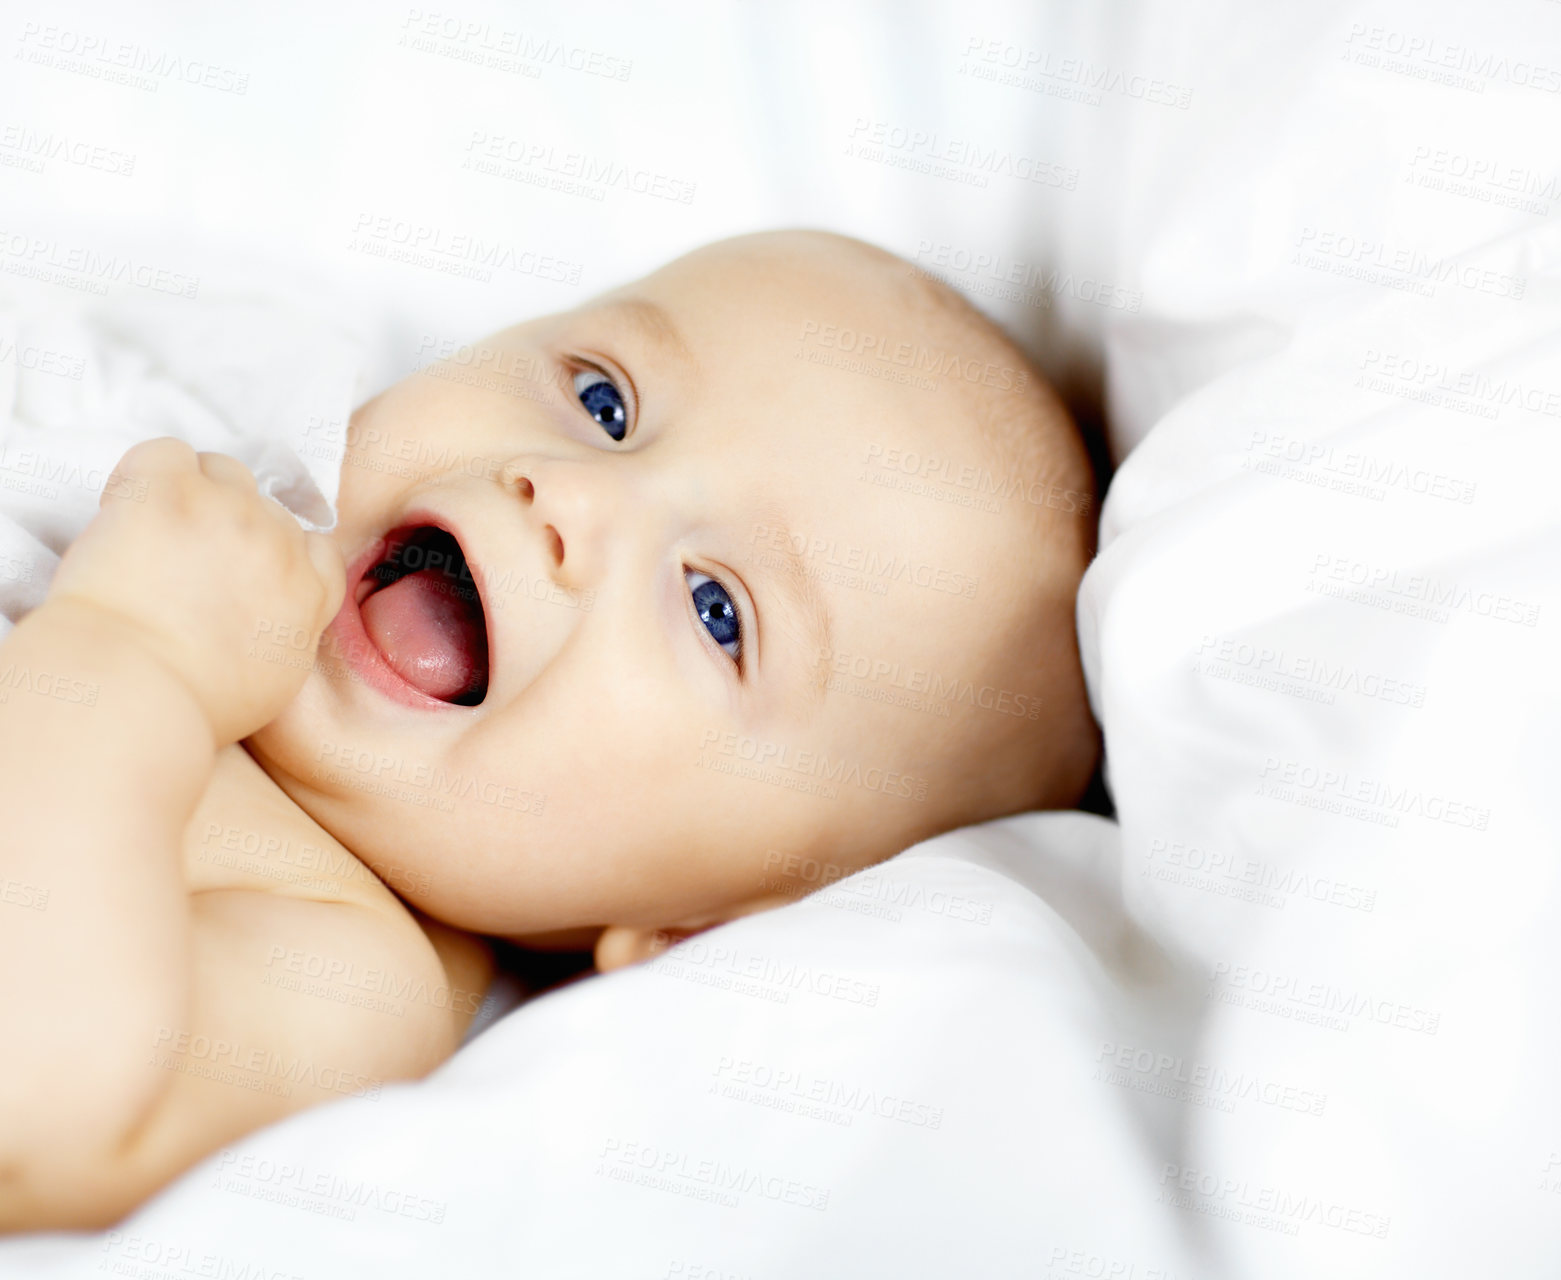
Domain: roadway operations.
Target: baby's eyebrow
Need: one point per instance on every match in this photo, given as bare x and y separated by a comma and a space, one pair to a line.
805, 602
655, 326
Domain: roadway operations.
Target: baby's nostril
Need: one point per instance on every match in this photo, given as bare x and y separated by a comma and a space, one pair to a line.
513, 475
555, 544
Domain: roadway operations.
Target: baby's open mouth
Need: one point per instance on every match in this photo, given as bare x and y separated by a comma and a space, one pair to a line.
422, 610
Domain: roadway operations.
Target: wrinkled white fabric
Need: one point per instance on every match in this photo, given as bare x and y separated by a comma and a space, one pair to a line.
80, 384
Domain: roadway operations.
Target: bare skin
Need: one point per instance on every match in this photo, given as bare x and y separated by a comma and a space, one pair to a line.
250, 831
164, 1030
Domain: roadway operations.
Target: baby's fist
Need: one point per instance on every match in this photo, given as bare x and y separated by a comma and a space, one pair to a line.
202, 569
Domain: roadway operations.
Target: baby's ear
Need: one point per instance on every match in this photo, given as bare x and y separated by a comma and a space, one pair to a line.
622, 944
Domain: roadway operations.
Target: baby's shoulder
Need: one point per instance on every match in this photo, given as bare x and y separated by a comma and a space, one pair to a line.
247, 836
312, 982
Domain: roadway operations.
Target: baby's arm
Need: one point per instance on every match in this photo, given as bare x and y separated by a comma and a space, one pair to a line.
124, 684
93, 796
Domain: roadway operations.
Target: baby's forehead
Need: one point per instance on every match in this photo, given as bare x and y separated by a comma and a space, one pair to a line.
815, 364
887, 421
838, 279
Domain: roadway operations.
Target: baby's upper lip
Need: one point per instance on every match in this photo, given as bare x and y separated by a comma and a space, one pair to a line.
420, 518
401, 532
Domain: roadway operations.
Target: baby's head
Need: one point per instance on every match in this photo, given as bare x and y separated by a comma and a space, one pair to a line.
763, 563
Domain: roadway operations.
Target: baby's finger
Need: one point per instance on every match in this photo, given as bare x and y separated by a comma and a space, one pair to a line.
328, 563
141, 464
162, 453
222, 469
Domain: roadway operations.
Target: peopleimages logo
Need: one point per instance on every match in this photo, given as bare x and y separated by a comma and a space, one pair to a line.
993, 274
1331, 787
1400, 266
913, 356
1005, 62
34, 149
118, 61
1275, 1207
1425, 589
684, 1173
297, 1185
459, 253
83, 267
747, 1080
1431, 381
253, 1067
932, 468
1168, 1074
962, 159
1247, 879
1318, 678
1352, 464
572, 172
504, 48
422, 776
940, 689
1293, 996
866, 568
838, 770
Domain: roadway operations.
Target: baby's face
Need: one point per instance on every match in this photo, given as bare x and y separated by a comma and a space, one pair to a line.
636, 541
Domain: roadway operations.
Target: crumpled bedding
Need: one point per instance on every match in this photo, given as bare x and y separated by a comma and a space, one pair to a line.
247, 376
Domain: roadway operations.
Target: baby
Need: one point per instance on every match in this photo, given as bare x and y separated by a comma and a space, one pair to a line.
630, 615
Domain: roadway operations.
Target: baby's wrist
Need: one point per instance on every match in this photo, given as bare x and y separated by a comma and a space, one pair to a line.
96, 638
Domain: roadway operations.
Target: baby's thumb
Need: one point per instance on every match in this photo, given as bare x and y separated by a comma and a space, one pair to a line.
328, 563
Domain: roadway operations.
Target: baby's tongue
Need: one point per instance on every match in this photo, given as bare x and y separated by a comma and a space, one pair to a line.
432, 640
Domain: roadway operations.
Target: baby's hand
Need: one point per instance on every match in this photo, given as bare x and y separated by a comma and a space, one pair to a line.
200, 570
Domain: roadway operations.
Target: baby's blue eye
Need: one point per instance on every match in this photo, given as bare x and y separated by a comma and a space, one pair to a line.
716, 610
603, 401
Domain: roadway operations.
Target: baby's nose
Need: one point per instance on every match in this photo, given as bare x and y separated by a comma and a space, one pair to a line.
567, 503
